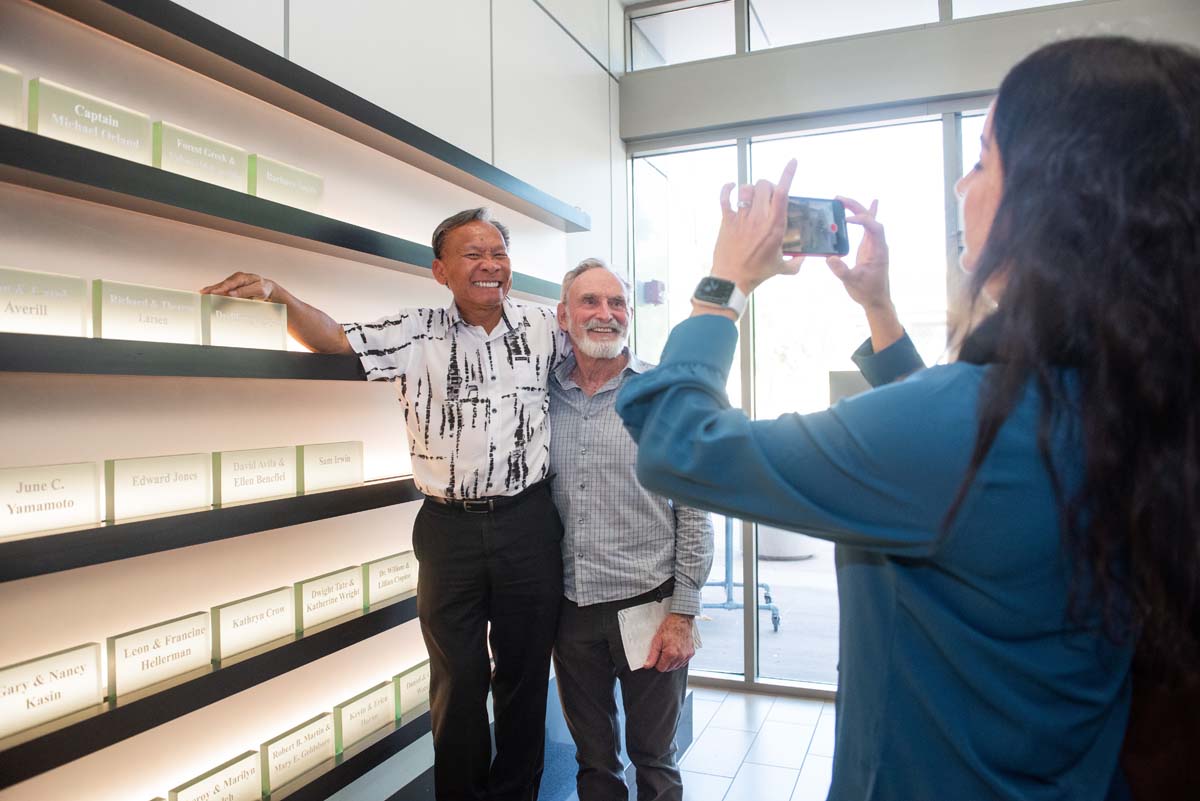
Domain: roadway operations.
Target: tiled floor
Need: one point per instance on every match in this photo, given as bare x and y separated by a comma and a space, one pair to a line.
758, 748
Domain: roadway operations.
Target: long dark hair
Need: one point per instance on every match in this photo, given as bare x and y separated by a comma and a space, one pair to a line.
1097, 235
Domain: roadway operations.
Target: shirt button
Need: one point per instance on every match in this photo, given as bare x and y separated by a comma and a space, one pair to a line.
581, 520
582, 485
582, 451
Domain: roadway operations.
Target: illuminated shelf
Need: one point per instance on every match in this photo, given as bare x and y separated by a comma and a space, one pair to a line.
36, 353
326, 779
50, 553
189, 40
38, 162
61, 742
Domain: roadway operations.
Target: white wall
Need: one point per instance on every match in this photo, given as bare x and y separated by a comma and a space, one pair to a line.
426, 62
523, 84
552, 125
260, 21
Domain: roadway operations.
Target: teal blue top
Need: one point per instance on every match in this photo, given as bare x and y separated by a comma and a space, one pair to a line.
961, 675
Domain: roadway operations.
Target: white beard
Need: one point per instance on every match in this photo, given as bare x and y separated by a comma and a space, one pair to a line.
596, 349
600, 350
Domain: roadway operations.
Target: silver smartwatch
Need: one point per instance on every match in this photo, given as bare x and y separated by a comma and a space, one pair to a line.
721, 294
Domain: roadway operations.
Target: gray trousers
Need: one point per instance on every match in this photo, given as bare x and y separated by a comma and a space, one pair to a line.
588, 661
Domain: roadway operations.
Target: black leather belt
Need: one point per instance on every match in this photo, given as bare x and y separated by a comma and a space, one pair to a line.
483, 506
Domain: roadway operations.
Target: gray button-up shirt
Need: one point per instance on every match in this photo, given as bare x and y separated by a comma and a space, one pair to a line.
621, 539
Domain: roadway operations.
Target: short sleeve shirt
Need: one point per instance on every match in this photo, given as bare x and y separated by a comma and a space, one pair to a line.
475, 403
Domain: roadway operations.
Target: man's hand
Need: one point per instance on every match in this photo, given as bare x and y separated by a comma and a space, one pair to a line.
243, 285
672, 645
312, 328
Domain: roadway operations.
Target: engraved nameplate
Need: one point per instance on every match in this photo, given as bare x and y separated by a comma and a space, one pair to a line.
157, 485
363, 714
194, 155
328, 596
62, 113
44, 303
49, 687
241, 323
236, 780
49, 497
388, 577
412, 688
145, 313
297, 750
283, 183
330, 465
146, 656
253, 475
11, 85
241, 625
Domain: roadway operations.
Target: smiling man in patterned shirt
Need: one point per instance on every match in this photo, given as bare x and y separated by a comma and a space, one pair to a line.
472, 379
624, 546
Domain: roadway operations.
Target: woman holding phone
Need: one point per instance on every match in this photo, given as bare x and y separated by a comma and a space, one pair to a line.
1008, 526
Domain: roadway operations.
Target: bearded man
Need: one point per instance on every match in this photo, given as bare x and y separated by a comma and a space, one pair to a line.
626, 551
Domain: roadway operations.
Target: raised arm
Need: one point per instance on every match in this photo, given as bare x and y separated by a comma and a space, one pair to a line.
867, 281
312, 328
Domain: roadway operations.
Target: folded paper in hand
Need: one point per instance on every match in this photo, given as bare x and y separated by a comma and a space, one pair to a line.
638, 626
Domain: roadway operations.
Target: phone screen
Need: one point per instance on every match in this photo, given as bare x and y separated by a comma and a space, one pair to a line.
816, 226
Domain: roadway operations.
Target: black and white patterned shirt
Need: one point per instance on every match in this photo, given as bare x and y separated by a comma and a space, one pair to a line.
621, 539
475, 404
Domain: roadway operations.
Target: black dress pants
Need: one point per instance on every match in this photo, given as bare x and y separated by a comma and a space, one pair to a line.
502, 568
589, 659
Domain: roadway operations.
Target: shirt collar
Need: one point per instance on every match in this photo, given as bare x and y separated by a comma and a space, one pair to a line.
562, 373
509, 314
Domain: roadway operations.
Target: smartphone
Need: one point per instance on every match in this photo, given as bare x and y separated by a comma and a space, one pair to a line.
815, 227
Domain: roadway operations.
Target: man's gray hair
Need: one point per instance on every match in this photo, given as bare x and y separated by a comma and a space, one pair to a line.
447, 225
593, 264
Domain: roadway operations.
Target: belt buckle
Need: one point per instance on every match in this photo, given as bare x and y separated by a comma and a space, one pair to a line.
479, 506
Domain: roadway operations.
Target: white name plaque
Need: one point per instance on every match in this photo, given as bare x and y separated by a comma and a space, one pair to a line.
253, 475
145, 313
157, 485
241, 625
44, 303
49, 497
156, 653
236, 780
62, 113
283, 183
330, 465
412, 688
185, 152
363, 714
295, 751
11, 85
241, 323
388, 577
328, 596
49, 687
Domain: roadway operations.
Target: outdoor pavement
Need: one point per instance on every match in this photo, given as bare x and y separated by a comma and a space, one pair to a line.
805, 647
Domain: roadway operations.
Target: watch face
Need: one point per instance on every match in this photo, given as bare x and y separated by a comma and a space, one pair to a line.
714, 290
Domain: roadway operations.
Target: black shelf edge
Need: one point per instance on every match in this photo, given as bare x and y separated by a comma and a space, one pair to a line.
188, 39
51, 553
39, 162
62, 746
38, 353
353, 765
